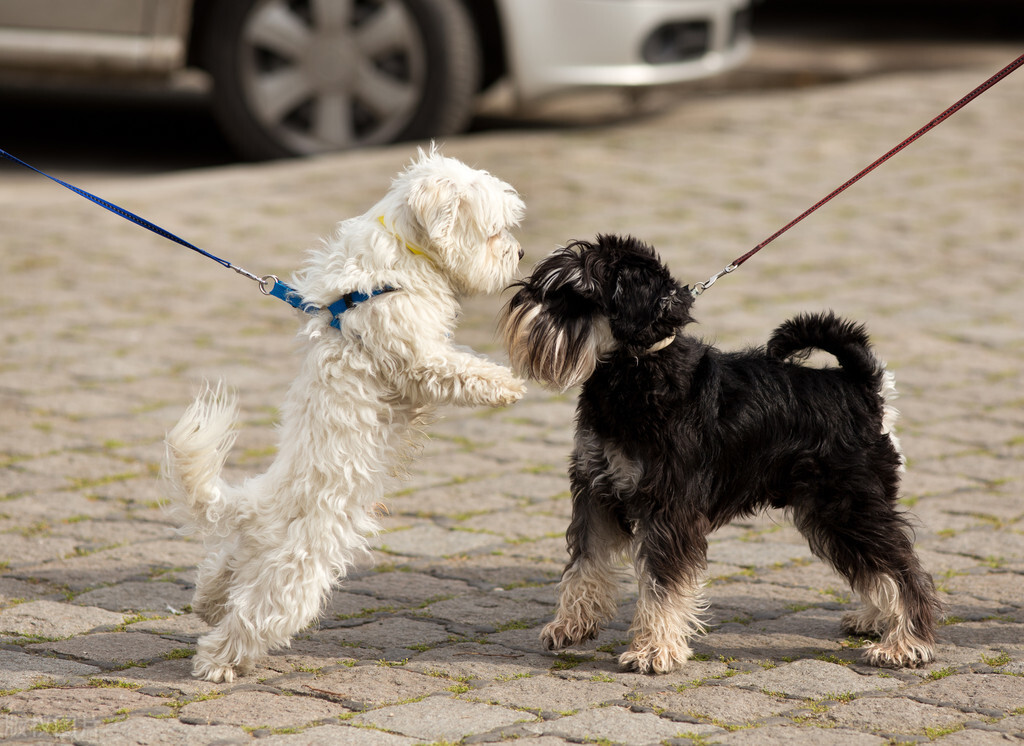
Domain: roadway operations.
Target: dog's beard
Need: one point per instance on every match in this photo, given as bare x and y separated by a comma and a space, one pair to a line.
558, 353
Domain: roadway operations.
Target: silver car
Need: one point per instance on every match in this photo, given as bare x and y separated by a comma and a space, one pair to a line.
295, 77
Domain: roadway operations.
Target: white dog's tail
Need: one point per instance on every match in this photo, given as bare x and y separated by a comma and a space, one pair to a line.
196, 450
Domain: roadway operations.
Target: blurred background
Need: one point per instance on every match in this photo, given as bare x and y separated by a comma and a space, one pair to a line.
71, 105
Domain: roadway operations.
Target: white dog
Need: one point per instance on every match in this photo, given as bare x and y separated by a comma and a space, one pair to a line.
279, 541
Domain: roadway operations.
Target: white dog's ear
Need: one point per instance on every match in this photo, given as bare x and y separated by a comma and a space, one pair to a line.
435, 202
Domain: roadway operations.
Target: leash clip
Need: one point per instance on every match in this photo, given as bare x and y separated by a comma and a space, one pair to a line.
697, 288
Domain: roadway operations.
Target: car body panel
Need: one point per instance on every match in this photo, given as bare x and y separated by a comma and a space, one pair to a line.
94, 37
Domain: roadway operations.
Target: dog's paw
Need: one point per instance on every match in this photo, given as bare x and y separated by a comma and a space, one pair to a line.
563, 633
911, 653
654, 658
500, 388
206, 668
513, 390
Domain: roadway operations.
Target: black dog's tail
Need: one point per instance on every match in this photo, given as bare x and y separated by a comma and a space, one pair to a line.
846, 340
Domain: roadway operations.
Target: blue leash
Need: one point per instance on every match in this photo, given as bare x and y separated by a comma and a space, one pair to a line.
269, 284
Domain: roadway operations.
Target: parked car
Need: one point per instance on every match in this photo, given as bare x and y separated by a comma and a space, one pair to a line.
295, 77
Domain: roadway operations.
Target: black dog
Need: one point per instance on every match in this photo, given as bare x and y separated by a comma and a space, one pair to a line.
676, 438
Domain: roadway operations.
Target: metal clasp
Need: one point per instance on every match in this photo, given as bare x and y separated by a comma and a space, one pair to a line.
697, 288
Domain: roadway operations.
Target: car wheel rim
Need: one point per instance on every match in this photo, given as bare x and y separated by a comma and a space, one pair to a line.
330, 74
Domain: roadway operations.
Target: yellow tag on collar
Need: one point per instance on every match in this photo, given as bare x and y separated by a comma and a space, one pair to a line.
410, 246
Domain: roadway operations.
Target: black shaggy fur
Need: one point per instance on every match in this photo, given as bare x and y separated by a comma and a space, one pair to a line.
677, 439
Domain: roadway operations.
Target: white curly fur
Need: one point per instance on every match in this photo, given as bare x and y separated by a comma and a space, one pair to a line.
279, 541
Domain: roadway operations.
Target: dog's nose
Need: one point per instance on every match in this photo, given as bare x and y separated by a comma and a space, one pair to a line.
522, 252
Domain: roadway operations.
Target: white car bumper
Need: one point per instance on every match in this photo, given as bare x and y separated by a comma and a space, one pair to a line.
556, 45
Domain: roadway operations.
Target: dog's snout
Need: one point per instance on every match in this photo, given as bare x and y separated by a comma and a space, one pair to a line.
522, 252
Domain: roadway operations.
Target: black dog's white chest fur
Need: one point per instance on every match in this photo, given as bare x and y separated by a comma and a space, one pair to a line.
676, 438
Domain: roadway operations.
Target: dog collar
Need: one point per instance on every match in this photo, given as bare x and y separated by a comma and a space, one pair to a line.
658, 346
413, 248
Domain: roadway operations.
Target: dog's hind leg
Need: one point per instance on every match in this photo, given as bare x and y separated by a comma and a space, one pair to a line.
669, 565
870, 545
213, 583
275, 595
901, 608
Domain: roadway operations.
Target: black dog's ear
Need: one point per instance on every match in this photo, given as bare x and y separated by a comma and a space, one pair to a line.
645, 307
635, 305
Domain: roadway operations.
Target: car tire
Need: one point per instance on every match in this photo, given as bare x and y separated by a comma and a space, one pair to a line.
299, 77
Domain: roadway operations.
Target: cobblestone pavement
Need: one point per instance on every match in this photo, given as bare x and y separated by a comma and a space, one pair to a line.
108, 332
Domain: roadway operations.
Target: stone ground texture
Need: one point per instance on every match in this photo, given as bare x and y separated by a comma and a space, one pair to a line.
108, 332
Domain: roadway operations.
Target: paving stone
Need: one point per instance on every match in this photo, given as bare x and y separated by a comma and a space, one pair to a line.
117, 564
331, 735
259, 710
504, 569
157, 732
432, 541
20, 671
134, 596
721, 704
552, 693
975, 737
973, 692
743, 643
525, 637
387, 633
758, 553
816, 622
112, 649
994, 633
25, 551
442, 719
619, 726
370, 686
53, 619
757, 601
814, 679
13, 591
893, 715
407, 587
181, 625
787, 735
173, 675
518, 525
78, 703
1002, 587
487, 661
1014, 724
490, 610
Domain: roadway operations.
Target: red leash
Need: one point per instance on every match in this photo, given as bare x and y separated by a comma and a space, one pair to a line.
700, 287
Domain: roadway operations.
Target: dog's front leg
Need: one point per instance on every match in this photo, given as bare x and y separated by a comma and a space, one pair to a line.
670, 564
597, 539
453, 376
